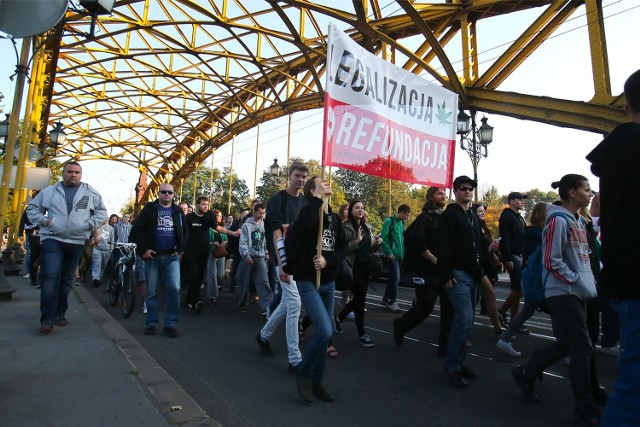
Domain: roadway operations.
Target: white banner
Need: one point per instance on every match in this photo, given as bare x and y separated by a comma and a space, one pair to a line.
385, 121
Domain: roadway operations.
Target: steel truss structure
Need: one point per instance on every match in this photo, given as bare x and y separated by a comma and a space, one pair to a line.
163, 83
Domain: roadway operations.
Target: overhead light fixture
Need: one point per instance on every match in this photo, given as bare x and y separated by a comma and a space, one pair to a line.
98, 7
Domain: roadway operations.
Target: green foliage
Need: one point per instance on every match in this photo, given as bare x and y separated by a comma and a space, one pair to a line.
536, 195
216, 187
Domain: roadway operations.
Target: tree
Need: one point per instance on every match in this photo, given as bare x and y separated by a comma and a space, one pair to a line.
536, 195
216, 187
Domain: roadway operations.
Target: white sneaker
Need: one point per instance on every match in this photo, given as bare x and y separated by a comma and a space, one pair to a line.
611, 351
26, 276
507, 348
394, 307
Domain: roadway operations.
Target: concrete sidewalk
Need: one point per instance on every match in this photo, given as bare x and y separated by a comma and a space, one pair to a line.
89, 373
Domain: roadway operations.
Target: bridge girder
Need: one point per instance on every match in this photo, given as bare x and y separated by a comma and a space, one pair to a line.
165, 83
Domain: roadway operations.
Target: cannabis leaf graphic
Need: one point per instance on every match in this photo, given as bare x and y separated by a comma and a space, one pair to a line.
442, 115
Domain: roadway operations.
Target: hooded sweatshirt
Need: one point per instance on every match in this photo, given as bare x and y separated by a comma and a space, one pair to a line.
252, 239
565, 256
614, 160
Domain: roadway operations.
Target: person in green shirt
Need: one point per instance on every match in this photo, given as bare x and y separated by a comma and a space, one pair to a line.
393, 247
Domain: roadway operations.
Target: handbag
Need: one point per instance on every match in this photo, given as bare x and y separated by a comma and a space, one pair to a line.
218, 251
344, 276
375, 265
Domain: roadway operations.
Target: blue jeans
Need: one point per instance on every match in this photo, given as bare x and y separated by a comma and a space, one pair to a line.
623, 407
391, 292
319, 306
58, 263
215, 275
463, 299
163, 270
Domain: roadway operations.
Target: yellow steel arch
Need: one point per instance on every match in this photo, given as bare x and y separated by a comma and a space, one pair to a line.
165, 82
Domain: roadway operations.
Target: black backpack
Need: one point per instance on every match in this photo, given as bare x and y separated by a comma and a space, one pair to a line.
411, 236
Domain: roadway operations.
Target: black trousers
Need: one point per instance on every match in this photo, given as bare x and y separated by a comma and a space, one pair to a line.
195, 265
426, 296
359, 291
35, 247
569, 321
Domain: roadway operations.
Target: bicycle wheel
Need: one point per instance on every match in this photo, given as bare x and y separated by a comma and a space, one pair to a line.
128, 293
113, 289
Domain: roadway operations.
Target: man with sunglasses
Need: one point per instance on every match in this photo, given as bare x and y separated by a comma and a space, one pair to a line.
160, 232
461, 254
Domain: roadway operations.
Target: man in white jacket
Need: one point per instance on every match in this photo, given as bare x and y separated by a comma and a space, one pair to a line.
68, 213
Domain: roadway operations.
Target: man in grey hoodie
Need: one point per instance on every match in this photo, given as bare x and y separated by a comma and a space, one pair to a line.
68, 213
253, 261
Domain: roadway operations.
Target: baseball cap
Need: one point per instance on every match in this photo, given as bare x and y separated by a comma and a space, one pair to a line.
463, 179
516, 195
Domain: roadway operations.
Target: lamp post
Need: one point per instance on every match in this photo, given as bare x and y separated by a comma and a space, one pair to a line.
57, 135
474, 140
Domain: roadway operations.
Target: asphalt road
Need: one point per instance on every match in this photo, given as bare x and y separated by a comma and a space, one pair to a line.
217, 361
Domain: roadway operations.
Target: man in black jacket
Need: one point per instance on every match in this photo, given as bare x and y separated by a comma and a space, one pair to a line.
462, 254
614, 161
420, 259
160, 232
511, 226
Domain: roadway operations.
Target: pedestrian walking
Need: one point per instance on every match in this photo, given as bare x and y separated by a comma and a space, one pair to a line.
393, 247
569, 283
462, 254
68, 213
318, 298
614, 162
159, 232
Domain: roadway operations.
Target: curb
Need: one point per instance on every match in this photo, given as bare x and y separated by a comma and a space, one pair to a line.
163, 391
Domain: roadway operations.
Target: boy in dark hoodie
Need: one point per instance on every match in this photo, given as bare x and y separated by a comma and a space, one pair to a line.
614, 162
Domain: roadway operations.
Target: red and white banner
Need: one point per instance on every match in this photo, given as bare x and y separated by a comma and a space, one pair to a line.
384, 121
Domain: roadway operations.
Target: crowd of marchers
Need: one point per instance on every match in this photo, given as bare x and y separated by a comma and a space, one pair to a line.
572, 258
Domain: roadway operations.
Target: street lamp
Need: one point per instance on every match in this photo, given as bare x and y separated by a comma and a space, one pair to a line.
4, 127
474, 140
274, 169
57, 135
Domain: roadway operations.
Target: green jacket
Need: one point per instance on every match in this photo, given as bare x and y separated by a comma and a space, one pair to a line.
393, 237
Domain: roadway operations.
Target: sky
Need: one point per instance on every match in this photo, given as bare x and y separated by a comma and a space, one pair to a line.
523, 154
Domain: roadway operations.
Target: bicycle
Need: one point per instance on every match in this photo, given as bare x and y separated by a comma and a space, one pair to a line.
124, 283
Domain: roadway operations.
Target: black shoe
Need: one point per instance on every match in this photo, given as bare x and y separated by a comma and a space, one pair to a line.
265, 347
304, 388
600, 396
96, 283
170, 331
150, 330
321, 392
591, 417
337, 325
455, 378
525, 384
293, 368
467, 373
398, 336
198, 307
503, 319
